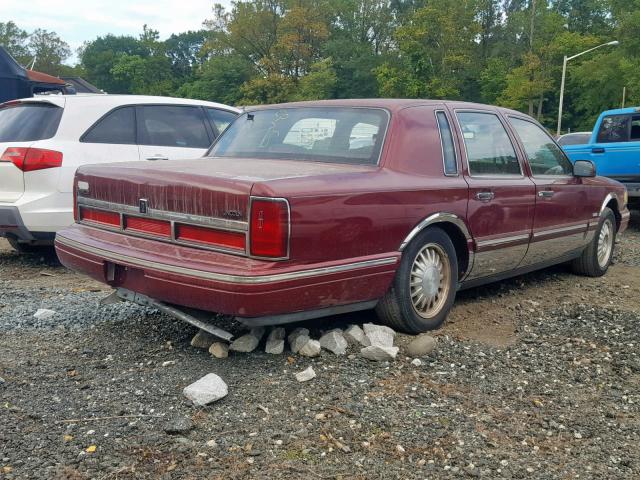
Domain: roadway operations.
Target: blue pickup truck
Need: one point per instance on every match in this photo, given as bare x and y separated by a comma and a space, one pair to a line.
614, 148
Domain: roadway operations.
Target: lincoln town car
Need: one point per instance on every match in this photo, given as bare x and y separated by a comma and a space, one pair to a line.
309, 209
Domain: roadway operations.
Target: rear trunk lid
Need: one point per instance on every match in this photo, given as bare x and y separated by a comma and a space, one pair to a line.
208, 187
22, 124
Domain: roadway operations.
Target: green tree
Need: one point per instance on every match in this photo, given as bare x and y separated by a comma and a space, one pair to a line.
14, 40
48, 50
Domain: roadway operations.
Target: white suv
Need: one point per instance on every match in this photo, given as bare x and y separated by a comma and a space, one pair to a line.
43, 140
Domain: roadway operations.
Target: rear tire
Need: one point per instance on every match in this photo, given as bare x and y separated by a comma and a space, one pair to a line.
596, 258
425, 285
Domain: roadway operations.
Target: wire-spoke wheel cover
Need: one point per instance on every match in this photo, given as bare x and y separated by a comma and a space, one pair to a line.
430, 280
605, 243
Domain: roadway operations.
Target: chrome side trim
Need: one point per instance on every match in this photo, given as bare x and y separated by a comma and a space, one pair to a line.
222, 223
501, 241
544, 233
441, 217
223, 277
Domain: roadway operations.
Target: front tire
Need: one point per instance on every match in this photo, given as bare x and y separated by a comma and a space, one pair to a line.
596, 258
424, 288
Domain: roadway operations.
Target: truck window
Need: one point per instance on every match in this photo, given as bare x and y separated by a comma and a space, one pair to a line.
635, 128
614, 128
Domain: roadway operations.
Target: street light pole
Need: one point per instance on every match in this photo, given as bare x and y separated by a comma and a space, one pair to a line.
564, 73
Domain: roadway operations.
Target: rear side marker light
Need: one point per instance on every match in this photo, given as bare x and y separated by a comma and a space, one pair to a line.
30, 159
209, 236
269, 228
100, 217
150, 226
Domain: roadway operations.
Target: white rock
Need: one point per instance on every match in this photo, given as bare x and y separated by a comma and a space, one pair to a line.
378, 353
416, 362
379, 335
310, 349
44, 313
421, 345
219, 350
275, 341
202, 340
355, 335
168, 362
293, 337
209, 388
306, 375
335, 342
248, 342
299, 342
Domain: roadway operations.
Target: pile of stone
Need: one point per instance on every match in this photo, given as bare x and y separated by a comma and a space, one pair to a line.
374, 341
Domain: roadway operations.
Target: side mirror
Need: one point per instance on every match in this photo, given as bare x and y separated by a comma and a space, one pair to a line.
584, 168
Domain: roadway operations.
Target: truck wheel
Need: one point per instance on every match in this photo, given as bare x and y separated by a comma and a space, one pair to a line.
424, 288
596, 258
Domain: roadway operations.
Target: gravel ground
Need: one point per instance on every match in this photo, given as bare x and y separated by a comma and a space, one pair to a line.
535, 377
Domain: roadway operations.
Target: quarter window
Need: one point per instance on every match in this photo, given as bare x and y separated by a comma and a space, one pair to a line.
614, 128
117, 127
545, 157
448, 150
489, 149
172, 126
220, 118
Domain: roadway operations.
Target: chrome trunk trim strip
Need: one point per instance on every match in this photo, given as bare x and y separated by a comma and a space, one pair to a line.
222, 223
223, 277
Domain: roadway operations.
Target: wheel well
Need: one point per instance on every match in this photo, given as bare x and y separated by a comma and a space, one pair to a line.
459, 243
613, 205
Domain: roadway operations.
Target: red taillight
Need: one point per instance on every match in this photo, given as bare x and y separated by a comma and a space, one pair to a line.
101, 217
148, 225
269, 228
30, 159
209, 236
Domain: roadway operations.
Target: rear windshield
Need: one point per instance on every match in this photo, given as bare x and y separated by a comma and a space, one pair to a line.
27, 122
574, 139
315, 134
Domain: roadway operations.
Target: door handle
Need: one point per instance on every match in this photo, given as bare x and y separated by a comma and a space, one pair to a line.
157, 156
485, 196
597, 150
546, 193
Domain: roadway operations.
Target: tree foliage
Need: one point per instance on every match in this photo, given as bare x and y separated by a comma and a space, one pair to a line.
261, 51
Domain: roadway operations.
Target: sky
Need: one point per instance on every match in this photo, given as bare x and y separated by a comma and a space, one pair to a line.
77, 21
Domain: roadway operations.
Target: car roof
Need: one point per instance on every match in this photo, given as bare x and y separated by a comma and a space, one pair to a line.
391, 104
621, 111
115, 100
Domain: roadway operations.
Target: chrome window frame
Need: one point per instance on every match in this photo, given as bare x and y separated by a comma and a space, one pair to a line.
496, 176
453, 141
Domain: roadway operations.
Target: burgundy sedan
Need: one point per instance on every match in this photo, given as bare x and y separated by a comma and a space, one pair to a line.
309, 209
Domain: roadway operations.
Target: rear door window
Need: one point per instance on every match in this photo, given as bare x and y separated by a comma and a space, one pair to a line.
220, 119
172, 126
116, 127
614, 128
28, 122
489, 149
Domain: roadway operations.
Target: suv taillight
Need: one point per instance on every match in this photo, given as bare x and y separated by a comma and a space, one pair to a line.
269, 227
29, 159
